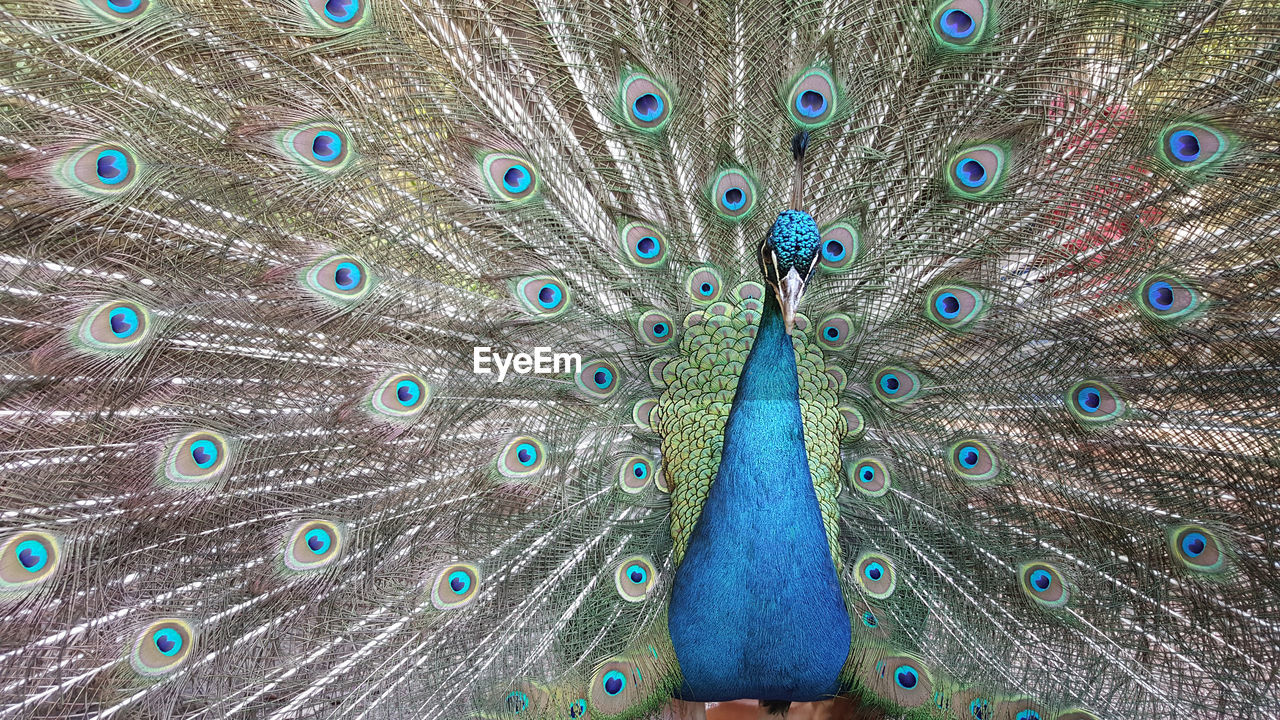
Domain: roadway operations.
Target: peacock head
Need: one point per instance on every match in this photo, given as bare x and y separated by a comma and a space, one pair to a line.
788, 257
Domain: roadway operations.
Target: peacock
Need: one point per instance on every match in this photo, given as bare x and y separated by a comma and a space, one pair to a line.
566, 360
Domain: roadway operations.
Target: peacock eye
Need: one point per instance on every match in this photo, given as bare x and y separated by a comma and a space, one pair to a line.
871, 477
312, 545
455, 586
812, 100
1167, 298
114, 326
26, 559
523, 457
161, 647
339, 277
644, 245
655, 326
953, 307
634, 578
322, 147
1192, 146
337, 15
399, 396
598, 379
645, 102
972, 461
959, 24
733, 194
1093, 402
543, 296
635, 474
906, 677
510, 178
1044, 584
614, 682
839, 247
118, 10
703, 285
835, 331
976, 172
855, 423
197, 457
875, 575
1197, 549
895, 385
99, 170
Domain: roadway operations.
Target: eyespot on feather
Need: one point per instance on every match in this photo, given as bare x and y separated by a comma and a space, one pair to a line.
1094, 403
1197, 549
901, 679
543, 296
977, 172
510, 178
1167, 298
704, 285
337, 15
312, 545
400, 396
27, 558
875, 575
456, 586
895, 385
1190, 147
115, 326
813, 100
598, 379
656, 328
523, 457
855, 422
835, 331
118, 10
162, 646
646, 104
197, 457
320, 146
1044, 584
635, 474
344, 278
643, 244
100, 170
973, 461
960, 25
839, 249
870, 476
733, 195
954, 307
634, 577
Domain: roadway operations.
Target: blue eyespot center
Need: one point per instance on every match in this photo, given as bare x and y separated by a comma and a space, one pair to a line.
978, 709
549, 296
833, 251
526, 454
734, 198
516, 179
603, 378
614, 682
577, 708
947, 305
459, 581
706, 288
957, 24
1090, 399
832, 333
1193, 544
869, 619
890, 384
648, 107
1028, 715
124, 7
112, 166
968, 456
32, 556
971, 173
167, 641
124, 322
811, 103
1041, 580
874, 571
1160, 295
341, 10
640, 470
318, 540
326, 146
346, 276
204, 453
408, 392
517, 702
637, 574
1185, 146
906, 677
660, 330
867, 474
647, 247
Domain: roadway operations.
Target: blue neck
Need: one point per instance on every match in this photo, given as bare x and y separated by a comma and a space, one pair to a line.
756, 609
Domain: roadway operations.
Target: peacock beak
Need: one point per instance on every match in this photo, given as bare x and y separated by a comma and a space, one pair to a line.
790, 290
